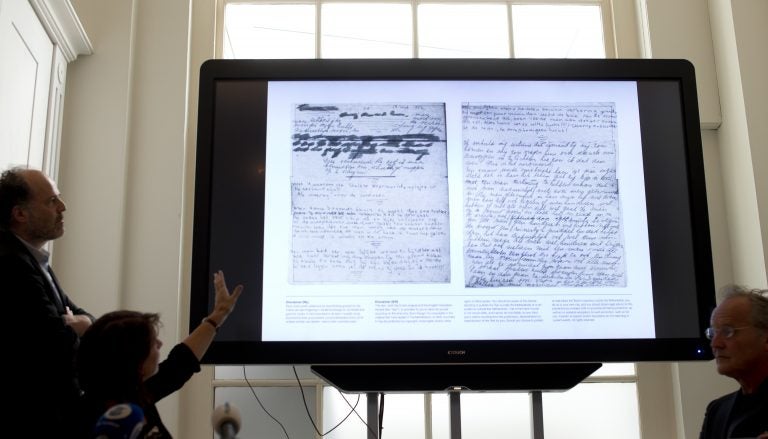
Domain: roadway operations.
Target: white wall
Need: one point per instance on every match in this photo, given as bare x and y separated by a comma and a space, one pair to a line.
751, 33
94, 158
739, 36
122, 164
127, 152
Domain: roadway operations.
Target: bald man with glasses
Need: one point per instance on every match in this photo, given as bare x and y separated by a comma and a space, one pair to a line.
739, 339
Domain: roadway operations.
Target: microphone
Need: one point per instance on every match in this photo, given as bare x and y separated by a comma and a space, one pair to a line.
226, 420
121, 421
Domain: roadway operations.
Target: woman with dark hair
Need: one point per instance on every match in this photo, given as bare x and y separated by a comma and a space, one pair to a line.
119, 360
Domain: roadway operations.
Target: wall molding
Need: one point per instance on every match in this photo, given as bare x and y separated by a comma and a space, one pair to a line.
63, 26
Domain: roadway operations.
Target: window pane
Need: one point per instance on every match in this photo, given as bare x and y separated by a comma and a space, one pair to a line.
263, 373
556, 31
484, 415
370, 30
613, 369
593, 410
284, 403
269, 31
463, 31
403, 415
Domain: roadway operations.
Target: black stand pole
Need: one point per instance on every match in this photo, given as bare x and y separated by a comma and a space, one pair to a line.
373, 415
455, 414
537, 415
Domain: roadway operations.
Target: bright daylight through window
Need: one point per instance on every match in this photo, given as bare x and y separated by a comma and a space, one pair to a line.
387, 30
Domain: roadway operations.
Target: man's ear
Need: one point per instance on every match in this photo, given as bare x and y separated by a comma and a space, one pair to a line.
765, 339
19, 215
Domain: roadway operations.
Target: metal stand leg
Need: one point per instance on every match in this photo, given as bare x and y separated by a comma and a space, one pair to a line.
455, 415
537, 415
373, 415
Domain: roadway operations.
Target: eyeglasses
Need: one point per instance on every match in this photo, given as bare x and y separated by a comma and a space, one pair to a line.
725, 331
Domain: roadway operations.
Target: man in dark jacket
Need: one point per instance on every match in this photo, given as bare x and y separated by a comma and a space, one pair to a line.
739, 339
44, 324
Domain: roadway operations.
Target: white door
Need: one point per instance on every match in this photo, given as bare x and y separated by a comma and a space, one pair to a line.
26, 54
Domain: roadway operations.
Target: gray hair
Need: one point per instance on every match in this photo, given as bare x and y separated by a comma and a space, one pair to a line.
758, 300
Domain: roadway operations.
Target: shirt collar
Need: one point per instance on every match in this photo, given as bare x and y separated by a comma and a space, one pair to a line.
41, 255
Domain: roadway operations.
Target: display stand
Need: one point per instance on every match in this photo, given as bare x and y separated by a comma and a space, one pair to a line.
537, 415
533, 378
455, 414
372, 418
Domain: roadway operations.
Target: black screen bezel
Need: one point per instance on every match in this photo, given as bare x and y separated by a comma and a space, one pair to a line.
680, 247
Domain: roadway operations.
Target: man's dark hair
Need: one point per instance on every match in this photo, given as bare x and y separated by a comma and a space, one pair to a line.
14, 191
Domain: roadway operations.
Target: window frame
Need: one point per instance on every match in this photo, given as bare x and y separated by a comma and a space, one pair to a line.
606, 8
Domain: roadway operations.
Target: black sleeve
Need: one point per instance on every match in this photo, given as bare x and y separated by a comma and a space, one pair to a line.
43, 347
173, 372
76, 310
41, 328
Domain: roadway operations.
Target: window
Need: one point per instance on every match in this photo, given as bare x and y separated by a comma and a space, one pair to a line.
463, 31
421, 29
357, 30
269, 31
603, 406
557, 31
415, 29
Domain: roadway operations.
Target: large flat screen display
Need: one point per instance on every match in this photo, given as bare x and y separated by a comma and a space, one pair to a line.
452, 211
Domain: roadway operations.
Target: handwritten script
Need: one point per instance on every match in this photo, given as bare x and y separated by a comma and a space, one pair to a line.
541, 202
369, 193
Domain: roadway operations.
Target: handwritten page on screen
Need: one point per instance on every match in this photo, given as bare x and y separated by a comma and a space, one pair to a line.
541, 199
369, 193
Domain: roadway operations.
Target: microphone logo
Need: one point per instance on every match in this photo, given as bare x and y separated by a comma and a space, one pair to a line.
121, 421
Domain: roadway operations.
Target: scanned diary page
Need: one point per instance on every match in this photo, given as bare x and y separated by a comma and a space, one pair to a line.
541, 196
372, 180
